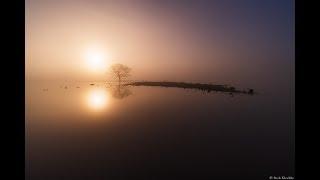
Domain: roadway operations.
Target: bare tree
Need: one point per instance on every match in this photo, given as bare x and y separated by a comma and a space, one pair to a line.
120, 72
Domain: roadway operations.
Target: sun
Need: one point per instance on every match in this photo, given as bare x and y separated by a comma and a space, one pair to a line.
96, 59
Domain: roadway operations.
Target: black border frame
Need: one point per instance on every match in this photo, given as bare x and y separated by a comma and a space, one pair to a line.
13, 97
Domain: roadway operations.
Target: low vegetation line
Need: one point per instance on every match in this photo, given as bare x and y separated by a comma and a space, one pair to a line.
198, 86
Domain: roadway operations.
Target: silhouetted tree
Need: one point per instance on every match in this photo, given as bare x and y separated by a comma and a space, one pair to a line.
120, 71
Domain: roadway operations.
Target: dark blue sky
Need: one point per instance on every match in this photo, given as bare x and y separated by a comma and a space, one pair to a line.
258, 35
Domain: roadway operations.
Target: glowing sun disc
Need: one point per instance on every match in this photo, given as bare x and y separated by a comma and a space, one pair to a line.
96, 59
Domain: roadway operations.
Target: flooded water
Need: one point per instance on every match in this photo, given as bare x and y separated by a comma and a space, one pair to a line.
83, 131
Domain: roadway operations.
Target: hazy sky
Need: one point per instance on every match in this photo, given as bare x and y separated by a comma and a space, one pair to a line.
240, 42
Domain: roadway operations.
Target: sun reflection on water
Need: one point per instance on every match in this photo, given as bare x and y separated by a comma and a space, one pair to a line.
97, 99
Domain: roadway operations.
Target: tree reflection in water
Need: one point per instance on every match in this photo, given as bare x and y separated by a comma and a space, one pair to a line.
120, 91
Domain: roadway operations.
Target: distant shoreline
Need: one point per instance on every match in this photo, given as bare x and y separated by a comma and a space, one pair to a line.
203, 87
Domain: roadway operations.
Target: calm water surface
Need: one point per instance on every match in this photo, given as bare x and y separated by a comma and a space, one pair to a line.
80, 131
